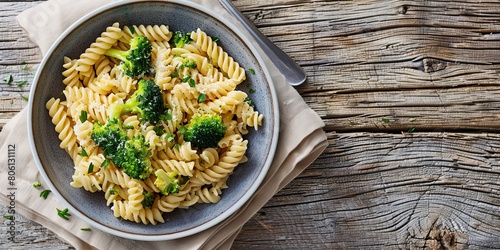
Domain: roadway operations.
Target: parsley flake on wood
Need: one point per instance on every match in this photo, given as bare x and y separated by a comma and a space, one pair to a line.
63, 213
9, 79
385, 119
45, 193
21, 83
24, 97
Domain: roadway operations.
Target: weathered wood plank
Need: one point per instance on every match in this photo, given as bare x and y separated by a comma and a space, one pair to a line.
19, 58
388, 191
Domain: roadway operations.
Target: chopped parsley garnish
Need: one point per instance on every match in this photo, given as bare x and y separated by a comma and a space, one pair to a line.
37, 184
252, 71
190, 81
249, 101
9, 79
83, 116
45, 193
8, 217
202, 97
132, 30
63, 213
21, 83
252, 91
113, 191
385, 119
83, 153
85, 229
410, 130
214, 38
105, 163
91, 168
24, 97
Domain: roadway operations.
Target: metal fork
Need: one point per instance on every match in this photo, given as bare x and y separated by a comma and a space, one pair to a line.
288, 67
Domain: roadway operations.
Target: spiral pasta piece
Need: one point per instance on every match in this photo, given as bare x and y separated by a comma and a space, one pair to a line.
125, 84
135, 196
208, 195
145, 215
98, 48
90, 182
71, 75
63, 124
116, 176
156, 33
181, 167
169, 203
219, 57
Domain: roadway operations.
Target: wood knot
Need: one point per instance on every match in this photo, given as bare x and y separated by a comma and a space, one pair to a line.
433, 65
403, 9
442, 239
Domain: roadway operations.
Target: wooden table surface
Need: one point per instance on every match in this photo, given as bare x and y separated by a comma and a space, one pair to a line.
410, 94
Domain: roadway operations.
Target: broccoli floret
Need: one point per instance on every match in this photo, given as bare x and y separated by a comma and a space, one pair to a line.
168, 183
136, 61
147, 102
109, 136
149, 198
132, 155
180, 39
205, 131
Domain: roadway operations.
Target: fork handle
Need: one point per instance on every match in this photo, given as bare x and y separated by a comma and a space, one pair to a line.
286, 65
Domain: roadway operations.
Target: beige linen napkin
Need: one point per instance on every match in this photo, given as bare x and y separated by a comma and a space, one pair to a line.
301, 141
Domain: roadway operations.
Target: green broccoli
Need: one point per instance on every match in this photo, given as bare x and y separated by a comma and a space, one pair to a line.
132, 155
136, 61
149, 198
109, 136
180, 39
205, 131
168, 183
147, 102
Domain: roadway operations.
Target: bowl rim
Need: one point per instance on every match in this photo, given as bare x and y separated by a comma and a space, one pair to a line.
198, 228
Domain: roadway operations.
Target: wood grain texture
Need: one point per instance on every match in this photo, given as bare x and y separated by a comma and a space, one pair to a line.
388, 191
376, 70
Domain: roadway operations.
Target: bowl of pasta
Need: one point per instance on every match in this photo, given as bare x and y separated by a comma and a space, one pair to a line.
153, 120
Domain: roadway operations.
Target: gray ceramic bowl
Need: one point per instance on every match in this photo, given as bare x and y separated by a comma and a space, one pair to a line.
56, 166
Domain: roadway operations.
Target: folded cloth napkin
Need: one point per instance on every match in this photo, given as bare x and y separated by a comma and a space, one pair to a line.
301, 141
